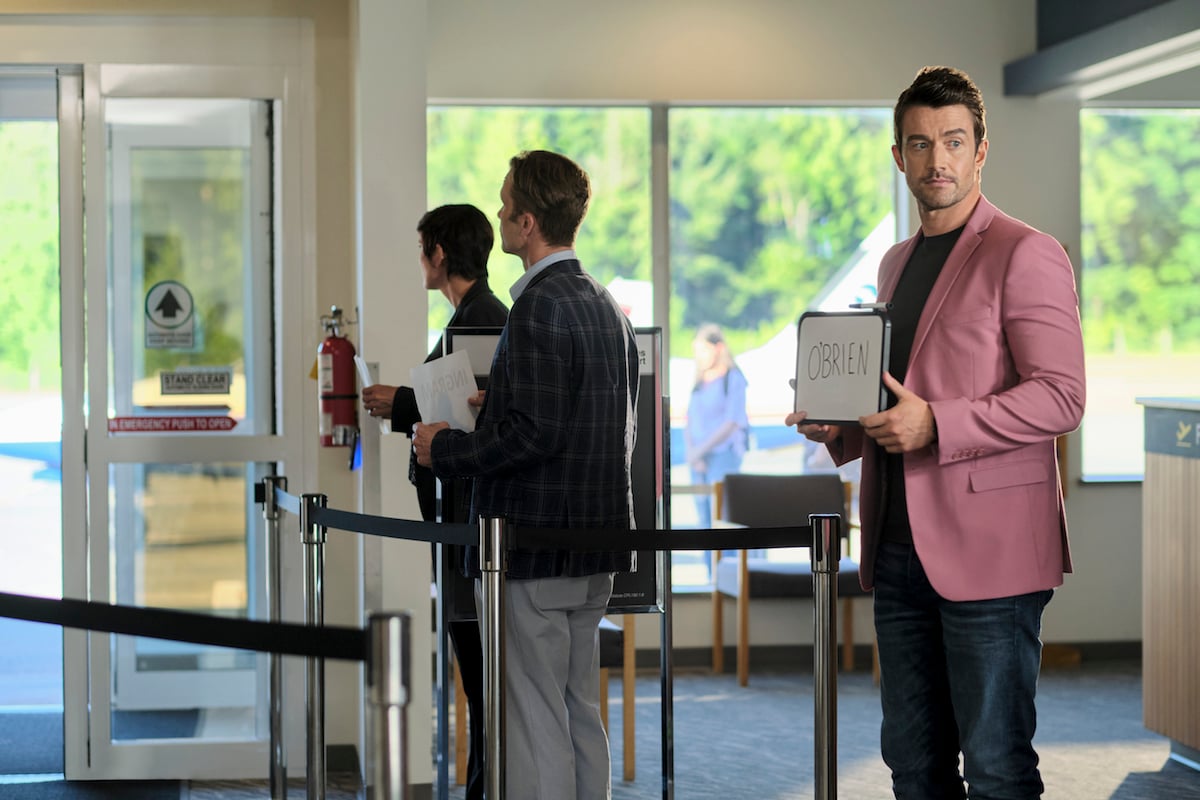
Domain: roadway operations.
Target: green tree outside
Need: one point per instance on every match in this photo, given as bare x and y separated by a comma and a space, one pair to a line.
29, 302
468, 153
766, 204
1140, 287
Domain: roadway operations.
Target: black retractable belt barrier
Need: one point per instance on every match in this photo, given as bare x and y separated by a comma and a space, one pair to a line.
825, 557
312, 536
822, 535
492, 564
348, 644
389, 677
495, 539
410, 530
314, 520
277, 773
584, 540
385, 646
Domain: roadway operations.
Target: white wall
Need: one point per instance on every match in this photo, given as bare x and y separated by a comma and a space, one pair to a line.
389, 176
785, 51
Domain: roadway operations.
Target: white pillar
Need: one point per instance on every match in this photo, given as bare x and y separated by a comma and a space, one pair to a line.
389, 65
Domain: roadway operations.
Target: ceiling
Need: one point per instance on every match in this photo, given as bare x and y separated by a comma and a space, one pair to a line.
1150, 55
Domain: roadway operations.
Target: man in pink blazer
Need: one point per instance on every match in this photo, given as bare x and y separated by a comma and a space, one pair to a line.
963, 530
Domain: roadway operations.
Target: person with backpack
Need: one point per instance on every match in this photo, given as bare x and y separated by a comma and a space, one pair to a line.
718, 428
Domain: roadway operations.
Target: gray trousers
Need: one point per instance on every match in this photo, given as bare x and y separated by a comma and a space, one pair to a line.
555, 745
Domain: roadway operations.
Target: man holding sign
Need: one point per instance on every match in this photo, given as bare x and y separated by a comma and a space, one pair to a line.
963, 526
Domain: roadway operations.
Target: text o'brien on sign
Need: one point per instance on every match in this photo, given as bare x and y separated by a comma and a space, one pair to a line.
840, 360
201, 424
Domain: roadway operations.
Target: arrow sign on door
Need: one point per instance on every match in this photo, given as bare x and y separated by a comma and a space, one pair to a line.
170, 321
169, 308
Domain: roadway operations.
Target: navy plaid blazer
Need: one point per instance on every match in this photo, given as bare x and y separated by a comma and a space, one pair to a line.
553, 444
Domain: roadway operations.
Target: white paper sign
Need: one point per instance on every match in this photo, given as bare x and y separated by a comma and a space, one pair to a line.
364, 375
443, 387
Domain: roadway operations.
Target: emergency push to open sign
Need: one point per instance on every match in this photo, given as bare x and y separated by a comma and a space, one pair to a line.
840, 359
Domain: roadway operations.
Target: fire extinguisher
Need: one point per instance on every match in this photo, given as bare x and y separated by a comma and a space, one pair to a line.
336, 384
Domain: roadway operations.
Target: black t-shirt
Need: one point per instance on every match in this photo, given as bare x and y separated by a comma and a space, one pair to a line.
907, 303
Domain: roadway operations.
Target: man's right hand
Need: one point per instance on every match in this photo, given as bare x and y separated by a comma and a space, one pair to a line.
423, 440
822, 434
377, 400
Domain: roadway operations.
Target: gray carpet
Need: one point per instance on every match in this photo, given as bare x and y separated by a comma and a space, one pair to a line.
92, 790
170, 724
757, 743
31, 743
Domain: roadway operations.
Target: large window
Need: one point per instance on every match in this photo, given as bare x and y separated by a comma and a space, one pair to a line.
1140, 284
469, 150
772, 212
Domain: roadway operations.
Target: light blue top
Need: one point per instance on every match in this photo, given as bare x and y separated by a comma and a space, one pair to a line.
713, 404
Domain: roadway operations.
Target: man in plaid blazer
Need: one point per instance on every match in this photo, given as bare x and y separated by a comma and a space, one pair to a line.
552, 448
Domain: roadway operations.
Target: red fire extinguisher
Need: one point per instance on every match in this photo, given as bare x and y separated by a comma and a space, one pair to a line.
336, 382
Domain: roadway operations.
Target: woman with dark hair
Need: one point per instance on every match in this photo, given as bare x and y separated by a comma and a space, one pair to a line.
455, 242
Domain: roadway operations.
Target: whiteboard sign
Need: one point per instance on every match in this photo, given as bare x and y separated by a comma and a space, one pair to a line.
480, 344
840, 359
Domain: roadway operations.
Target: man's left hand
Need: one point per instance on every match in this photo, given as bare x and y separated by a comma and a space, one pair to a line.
423, 440
906, 426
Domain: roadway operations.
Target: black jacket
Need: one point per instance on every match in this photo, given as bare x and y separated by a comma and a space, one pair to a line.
480, 307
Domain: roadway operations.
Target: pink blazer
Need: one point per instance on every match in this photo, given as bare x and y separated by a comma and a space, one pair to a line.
998, 354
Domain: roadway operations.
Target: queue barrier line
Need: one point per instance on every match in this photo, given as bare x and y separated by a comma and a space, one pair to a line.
410, 530
495, 538
574, 539
264, 493
342, 643
384, 645
603, 539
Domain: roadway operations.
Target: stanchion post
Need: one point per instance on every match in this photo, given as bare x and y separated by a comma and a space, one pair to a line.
278, 767
313, 537
826, 556
491, 630
389, 673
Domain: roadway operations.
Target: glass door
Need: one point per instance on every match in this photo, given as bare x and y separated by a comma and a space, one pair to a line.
187, 244
182, 410
31, 696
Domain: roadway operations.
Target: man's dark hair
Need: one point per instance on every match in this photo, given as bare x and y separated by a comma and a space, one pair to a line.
554, 189
937, 87
466, 236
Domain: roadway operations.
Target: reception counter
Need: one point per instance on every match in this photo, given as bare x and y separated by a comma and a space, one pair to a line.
1171, 574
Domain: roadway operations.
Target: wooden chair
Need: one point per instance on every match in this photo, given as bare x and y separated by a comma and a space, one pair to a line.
763, 501
617, 649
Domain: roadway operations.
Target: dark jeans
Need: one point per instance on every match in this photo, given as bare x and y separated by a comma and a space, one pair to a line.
956, 677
